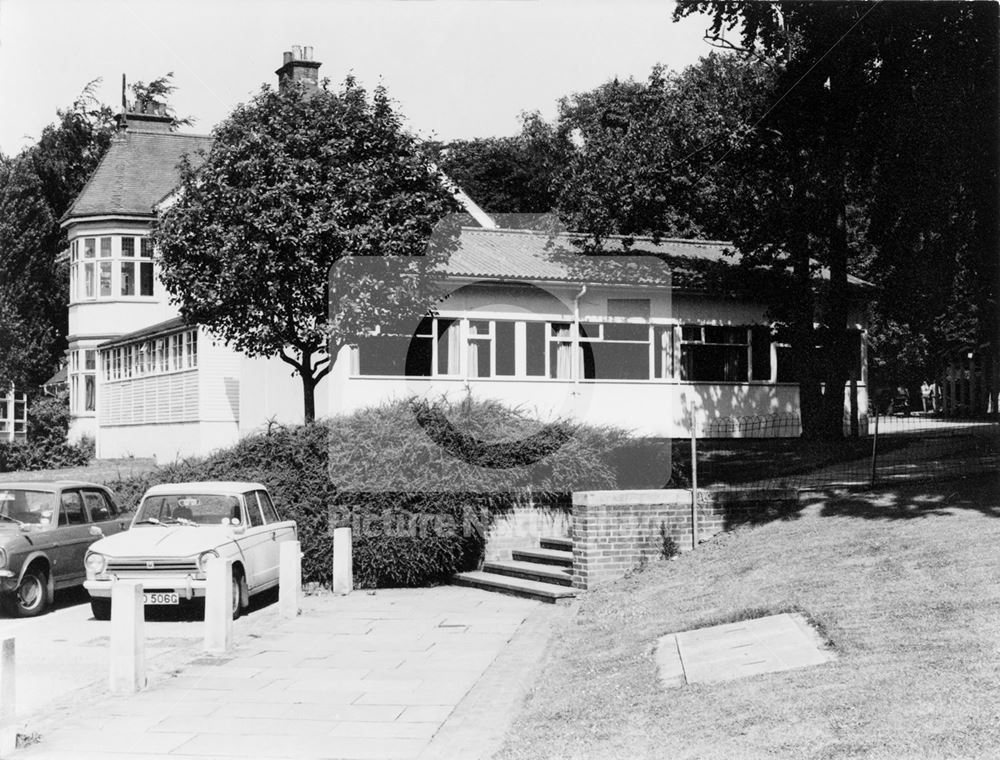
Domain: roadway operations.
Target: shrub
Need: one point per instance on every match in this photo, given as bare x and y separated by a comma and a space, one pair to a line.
45, 447
418, 482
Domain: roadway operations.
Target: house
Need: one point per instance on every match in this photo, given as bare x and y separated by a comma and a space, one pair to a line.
635, 337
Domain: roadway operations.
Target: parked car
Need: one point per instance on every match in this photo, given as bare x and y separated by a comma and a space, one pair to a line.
176, 530
45, 530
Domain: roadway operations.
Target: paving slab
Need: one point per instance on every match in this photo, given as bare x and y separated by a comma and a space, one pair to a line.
737, 650
377, 676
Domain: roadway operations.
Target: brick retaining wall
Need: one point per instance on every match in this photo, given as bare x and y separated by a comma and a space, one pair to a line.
617, 531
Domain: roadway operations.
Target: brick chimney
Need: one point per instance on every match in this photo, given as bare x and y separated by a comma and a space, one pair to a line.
299, 66
149, 116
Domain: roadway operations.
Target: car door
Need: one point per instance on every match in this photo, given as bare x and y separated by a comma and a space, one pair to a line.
71, 539
278, 529
254, 543
103, 512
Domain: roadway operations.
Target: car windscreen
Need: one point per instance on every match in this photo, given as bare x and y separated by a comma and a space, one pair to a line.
187, 508
25, 506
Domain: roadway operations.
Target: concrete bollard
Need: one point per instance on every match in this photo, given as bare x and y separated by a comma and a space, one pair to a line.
290, 579
343, 561
8, 725
128, 638
219, 605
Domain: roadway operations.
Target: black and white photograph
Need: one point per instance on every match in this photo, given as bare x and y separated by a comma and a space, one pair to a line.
499, 379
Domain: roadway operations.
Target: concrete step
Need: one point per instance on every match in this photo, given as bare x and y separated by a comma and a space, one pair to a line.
557, 543
544, 556
533, 571
504, 584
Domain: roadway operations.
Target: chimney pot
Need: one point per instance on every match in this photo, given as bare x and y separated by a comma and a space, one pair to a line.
297, 52
287, 57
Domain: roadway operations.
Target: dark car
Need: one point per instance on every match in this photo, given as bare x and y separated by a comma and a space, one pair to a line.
46, 528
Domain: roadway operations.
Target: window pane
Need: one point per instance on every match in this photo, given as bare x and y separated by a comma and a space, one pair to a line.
691, 332
105, 278
146, 279
253, 509
535, 349
505, 349
90, 360
88, 247
713, 363
128, 246
146, 248
479, 358
99, 507
590, 330
128, 278
105, 247
479, 327
620, 361
88, 280
267, 507
716, 334
760, 352
71, 509
448, 346
385, 355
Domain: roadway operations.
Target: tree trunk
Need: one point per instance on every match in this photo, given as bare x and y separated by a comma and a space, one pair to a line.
308, 388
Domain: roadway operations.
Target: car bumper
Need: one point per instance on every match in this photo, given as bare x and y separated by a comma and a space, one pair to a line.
186, 587
8, 580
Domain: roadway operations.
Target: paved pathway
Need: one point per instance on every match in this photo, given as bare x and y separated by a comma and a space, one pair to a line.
364, 676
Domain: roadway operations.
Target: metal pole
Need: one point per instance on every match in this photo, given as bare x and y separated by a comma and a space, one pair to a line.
874, 449
694, 482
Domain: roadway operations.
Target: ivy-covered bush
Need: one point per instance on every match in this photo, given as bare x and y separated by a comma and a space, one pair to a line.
419, 482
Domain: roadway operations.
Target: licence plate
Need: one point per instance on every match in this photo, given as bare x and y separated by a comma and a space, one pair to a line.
161, 598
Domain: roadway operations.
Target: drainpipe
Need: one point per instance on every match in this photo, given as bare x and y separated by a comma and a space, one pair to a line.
576, 340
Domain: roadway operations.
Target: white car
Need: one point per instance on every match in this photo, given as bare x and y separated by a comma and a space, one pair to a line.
176, 530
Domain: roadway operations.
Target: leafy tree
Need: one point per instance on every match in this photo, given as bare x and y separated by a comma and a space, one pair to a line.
296, 182
859, 145
36, 188
511, 175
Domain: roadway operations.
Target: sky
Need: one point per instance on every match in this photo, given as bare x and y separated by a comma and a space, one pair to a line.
457, 68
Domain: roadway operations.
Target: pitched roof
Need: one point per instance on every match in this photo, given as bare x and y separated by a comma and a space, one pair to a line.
171, 325
529, 255
138, 170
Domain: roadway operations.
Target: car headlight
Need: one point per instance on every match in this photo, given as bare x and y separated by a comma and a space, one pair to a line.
95, 563
204, 557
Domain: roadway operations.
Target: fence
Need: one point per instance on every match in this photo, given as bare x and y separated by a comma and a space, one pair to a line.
768, 452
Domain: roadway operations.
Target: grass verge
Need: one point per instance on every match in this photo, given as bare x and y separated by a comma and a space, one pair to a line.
903, 583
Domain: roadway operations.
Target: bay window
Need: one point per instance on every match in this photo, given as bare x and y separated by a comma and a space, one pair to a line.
111, 266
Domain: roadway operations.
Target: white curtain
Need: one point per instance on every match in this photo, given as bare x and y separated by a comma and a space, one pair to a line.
454, 347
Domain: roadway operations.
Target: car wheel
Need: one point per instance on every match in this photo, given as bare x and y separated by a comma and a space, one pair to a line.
31, 596
240, 592
101, 608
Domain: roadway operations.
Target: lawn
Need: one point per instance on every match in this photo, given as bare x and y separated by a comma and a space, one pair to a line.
904, 583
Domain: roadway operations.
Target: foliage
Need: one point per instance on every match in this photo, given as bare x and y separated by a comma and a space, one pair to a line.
869, 156
153, 96
45, 446
511, 175
419, 514
298, 181
36, 188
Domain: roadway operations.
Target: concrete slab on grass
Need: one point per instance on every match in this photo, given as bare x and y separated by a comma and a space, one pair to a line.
735, 650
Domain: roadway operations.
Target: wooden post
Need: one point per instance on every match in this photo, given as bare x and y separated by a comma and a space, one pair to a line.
694, 482
343, 561
8, 693
219, 605
128, 638
290, 579
874, 449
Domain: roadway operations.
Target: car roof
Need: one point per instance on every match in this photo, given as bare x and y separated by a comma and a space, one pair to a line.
221, 487
49, 485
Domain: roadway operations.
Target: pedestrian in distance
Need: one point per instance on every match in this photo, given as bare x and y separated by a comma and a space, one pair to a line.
927, 396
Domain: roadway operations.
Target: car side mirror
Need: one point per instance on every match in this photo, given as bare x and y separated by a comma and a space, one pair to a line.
96, 531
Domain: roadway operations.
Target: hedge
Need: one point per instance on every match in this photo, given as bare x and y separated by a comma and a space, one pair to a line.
420, 482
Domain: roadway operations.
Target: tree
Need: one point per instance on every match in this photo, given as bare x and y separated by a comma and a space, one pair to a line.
881, 116
296, 182
153, 96
36, 188
511, 175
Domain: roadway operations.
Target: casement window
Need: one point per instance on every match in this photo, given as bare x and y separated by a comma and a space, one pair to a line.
117, 272
711, 353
